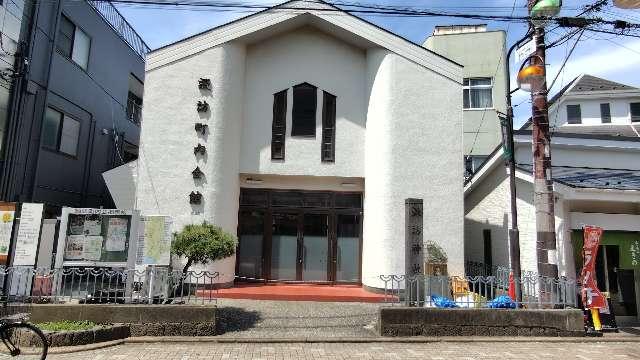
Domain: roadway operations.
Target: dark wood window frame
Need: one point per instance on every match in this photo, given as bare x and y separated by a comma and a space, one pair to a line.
328, 146
574, 114
303, 114
263, 200
605, 113
279, 125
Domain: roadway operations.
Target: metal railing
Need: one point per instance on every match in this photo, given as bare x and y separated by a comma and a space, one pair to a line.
478, 291
134, 112
152, 285
121, 26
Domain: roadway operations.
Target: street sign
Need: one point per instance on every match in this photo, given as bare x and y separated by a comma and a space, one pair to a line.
526, 50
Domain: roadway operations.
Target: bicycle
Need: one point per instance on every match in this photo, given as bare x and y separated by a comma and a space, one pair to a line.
23, 340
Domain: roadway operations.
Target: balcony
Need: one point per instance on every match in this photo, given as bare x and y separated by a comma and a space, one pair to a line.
134, 111
120, 25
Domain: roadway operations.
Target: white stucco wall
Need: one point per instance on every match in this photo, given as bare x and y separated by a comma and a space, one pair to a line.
487, 208
168, 138
413, 150
590, 110
398, 136
605, 157
279, 63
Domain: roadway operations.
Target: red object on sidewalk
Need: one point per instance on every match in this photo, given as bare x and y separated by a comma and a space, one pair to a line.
592, 298
512, 287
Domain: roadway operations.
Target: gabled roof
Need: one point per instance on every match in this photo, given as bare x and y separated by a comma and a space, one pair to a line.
582, 84
317, 10
588, 83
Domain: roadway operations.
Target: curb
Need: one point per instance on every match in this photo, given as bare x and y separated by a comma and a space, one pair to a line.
418, 339
360, 340
88, 347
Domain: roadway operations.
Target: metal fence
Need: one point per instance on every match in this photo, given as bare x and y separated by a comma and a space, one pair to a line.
152, 285
122, 27
478, 291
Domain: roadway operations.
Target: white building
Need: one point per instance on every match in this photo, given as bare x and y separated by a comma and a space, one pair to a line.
589, 104
596, 172
317, 126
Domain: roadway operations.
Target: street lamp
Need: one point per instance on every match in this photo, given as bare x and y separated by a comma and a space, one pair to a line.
544, 9
530, 76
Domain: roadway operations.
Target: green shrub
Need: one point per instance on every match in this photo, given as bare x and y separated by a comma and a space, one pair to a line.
202, 243
66, 325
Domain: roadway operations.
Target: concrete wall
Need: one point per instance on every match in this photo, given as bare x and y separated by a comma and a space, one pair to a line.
483, 55
590, 110
404, 321
413, 149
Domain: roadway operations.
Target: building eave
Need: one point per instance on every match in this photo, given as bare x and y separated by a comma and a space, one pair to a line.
293, 9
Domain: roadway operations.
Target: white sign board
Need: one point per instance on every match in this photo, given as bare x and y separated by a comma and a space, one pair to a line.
6, 227
154, 240
28, 235
526, 50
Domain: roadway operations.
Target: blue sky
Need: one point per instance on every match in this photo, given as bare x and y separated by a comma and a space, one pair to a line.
613, 57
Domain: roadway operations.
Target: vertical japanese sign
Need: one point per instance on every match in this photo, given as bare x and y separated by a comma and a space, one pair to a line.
28, 235
7, 215
592, 298
414, 247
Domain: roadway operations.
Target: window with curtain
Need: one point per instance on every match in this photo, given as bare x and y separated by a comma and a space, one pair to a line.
304, 110
574, 114
279, 125
73, 42
477, 93
605, 113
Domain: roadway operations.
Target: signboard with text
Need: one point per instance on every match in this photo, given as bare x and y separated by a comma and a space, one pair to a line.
592, 298
97, 237
154, 240
28, 236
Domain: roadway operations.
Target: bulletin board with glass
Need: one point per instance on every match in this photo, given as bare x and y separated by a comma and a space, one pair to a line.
96, 237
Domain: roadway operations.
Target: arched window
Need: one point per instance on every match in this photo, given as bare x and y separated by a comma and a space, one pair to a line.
304, 110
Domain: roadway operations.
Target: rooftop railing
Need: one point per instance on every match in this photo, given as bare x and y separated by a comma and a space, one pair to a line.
121, 26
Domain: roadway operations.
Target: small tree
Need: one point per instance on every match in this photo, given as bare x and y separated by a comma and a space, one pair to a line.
202, 243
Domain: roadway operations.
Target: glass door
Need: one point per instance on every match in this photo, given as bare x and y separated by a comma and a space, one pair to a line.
315, 247
284, 247
347, 248
250, 242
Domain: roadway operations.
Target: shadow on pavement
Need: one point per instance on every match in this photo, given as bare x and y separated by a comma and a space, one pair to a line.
230, 319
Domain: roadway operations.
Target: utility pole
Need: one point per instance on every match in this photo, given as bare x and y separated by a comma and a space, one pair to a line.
543, 198
510, 158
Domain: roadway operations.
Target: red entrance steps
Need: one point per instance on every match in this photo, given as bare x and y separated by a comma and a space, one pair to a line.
298, 292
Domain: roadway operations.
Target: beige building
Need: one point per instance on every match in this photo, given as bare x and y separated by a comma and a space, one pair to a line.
482, 53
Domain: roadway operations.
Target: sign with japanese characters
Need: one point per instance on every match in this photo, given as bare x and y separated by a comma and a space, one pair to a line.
28, 235
592, 298
154, 240
414, 246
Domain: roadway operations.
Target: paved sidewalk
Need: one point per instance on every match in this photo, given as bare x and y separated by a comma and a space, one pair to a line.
295, 319
401, 351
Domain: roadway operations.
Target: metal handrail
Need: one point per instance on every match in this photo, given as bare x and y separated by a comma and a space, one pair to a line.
120, 25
